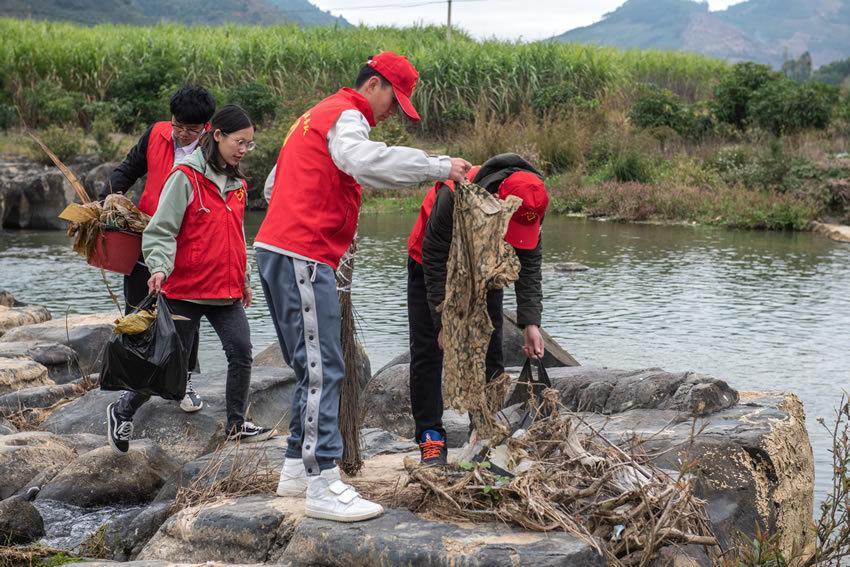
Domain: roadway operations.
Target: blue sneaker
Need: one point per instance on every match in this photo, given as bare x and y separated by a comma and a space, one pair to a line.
432, 448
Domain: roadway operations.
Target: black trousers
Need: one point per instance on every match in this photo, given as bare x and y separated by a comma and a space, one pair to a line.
426, 358
231, 325
136, 289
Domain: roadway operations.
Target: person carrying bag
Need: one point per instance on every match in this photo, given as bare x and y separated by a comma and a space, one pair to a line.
194, 247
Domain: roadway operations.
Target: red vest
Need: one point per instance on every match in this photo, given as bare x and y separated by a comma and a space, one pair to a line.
160, 157
211, 259
314, 206
417, 235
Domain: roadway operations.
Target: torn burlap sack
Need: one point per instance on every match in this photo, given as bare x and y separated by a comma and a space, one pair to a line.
479, 260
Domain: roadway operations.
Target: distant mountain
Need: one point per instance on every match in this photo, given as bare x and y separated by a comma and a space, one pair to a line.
209, 12
767, 31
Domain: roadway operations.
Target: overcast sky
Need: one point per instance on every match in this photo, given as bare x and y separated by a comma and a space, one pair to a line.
506, 19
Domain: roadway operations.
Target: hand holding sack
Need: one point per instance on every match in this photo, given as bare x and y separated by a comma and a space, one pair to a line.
152, 362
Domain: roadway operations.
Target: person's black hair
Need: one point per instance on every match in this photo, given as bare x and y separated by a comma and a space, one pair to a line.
192, 104
366, 73
231, 118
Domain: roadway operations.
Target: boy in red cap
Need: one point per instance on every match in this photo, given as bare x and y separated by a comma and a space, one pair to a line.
428, 249
310, 223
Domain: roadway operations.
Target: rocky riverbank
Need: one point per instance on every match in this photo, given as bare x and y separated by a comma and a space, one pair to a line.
166, 500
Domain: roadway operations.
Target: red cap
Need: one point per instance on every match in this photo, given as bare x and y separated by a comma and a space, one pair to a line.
524, 226
401, 74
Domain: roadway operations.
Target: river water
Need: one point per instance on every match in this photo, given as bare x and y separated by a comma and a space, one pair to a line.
762, 310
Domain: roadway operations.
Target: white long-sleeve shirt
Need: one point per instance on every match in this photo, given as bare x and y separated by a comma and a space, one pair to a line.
375, 164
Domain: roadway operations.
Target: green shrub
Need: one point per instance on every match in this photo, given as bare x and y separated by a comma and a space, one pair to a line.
660, 108
456, 115
784, 107
729, 159
257, 98
102, 130
91, 111
48, 103
631, 165
733, 94
65, 142
392, 132
141, 93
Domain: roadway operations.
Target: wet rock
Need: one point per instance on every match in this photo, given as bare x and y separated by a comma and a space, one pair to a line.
38, 397
24, 455
753, 461
184, 436
11, 317
60, 360
103, 476
608, 391
241, 530
126, 535
20, 373
85, 334
20, 522
512, 342
837, 232
399, 537
7, 299
571, 267
272, 356
386, 403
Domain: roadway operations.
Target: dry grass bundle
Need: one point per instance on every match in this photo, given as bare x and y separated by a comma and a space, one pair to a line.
232, 471
86, 222
619, 503
349, 399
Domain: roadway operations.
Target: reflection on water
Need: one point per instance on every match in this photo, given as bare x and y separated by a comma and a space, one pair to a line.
760, 310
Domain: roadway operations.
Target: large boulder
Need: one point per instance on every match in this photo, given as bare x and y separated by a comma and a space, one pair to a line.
11, 317
19, 373
608, 391
98, 175
399, 537
85, 334
184, 436
104, 477
240, 530
386, 405
32, 194
512, 342
60, 360
273, 357
20, 522
24, 455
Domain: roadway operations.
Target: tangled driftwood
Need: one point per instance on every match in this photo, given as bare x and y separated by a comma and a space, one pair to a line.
574, 480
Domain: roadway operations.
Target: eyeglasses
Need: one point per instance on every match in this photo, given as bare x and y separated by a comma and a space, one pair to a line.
186, 130
244, 144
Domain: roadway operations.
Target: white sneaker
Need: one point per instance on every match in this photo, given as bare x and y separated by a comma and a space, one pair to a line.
293, 478
191, 402
328, 498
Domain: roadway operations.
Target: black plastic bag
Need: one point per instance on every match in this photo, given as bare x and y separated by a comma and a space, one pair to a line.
152, 362
530, 385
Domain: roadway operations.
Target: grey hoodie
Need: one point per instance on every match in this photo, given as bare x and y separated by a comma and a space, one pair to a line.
159, 241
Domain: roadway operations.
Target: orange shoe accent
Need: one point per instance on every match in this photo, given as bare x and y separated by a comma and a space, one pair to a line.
431, 449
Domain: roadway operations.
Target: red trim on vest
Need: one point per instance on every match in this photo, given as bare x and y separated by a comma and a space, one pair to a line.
417, 235
160, 156
314, 206
211, 259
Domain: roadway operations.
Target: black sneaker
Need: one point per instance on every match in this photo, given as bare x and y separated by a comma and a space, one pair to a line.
191, 402
432, 448
250, 433
119, 431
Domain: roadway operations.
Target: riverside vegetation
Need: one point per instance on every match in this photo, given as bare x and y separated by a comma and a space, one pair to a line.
635, 135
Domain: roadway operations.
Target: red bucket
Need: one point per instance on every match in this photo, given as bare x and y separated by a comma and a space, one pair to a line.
117, 251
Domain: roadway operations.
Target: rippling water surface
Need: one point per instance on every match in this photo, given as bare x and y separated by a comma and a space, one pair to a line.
760, 310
